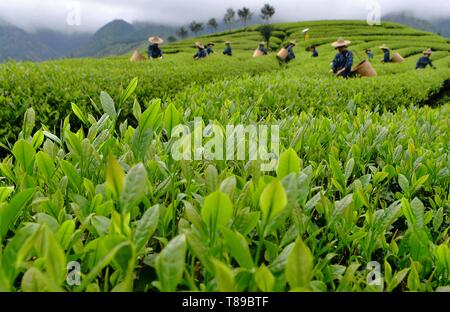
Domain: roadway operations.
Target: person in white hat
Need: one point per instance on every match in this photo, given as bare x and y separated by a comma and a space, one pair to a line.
154, 51
425, 60
343, 61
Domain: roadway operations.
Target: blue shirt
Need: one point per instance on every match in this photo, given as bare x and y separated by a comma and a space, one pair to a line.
387, 56
291, 54
201, 53
370, 55
343, 60
209, 50
154, 51
315, 53
423, 62
228, 51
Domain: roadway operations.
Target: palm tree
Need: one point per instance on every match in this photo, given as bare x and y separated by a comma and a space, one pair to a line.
245, 15
182, 33
229, 17
212, 24
267, 11
196, 27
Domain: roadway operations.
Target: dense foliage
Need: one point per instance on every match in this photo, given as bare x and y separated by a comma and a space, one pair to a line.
362, 181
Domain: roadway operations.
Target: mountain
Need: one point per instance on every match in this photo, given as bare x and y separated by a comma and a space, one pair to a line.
443, 26
63, 45
16, 44
407, 19
440, 26
118, 37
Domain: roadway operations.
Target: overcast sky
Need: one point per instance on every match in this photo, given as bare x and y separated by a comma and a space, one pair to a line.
62, 14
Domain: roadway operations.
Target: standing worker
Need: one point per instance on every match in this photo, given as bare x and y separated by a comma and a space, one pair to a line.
154, 51
290, 49
201, 51
228, 50
425, 60
306, 34
387, 54
209, 49
343, 61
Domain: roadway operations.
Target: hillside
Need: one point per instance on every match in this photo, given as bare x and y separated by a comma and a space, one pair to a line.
436, 25
114, 38
99, 159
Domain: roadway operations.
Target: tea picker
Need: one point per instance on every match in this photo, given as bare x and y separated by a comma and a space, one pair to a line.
261, 50
343, 61
425, 60
286, 54
228, 51
154, 51
201, 51
386, 54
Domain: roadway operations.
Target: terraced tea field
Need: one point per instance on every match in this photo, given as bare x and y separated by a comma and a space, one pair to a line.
359, 200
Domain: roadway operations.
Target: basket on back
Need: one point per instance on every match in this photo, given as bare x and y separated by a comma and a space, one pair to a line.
258, 53
283, 54
137, 57
397, 58
365, 69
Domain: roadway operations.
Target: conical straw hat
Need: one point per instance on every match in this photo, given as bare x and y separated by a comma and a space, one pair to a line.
200, 45
305, 30
155, 40
293, 42
341, 42
428, 51
384, 47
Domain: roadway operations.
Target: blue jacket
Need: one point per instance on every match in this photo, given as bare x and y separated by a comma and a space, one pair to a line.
387, 56
291, 54
343, 60
228, 51
263, 50
423, 62
209, 50
315, 53
370, 55
154, 51
201, 53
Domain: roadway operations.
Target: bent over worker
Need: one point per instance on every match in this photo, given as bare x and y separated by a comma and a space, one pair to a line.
201, 51
425, 60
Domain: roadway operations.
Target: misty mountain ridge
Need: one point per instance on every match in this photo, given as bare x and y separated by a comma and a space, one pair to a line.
118, 37
437, 25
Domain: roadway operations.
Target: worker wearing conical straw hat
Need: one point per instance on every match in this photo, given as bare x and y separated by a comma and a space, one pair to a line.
425, 60
290, 48
228, 51
209, 48
387, 54
201, 51
154, 51
343, 61
262, 48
